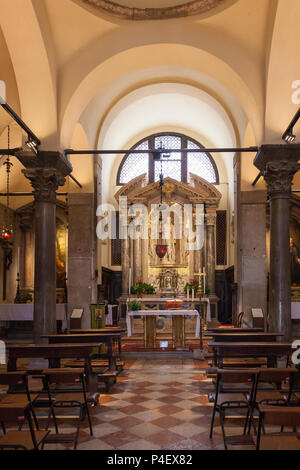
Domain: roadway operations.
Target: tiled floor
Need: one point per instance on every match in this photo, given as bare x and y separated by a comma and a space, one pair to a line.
156, 404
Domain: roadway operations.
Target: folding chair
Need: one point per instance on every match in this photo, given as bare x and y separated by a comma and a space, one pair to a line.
67, 390
231, 387
274, 391
278, 416
18, 391
13, 413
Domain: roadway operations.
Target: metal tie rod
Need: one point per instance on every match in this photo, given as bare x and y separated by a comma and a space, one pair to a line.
197, 150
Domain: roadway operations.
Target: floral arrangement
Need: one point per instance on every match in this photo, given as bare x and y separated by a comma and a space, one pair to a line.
192, 284
141, 287
134, 306
23, 298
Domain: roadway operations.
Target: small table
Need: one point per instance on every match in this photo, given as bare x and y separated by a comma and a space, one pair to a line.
270, 350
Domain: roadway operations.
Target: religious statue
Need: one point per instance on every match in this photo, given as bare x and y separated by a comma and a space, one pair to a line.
295, 263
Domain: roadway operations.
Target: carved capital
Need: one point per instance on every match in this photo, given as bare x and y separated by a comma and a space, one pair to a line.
45, 182
210, 219
279, 176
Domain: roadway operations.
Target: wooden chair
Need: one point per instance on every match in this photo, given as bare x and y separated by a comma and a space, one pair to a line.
231, 386
66, 389
13, 413
18, 391
283, 416
270, 388
240, 319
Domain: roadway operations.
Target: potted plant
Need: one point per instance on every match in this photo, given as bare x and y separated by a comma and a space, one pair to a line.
23, 298
134, 306
141, 288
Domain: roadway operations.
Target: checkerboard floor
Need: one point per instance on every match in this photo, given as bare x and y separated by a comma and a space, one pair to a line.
155, 405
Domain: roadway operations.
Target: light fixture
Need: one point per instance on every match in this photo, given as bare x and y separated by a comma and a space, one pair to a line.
161, 249
7, 229
289, 136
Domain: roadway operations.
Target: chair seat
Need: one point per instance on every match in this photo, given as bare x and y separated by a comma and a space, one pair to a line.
72, 396
18, 398
225, 397
60, 438
279, 442
23, 438
269, 395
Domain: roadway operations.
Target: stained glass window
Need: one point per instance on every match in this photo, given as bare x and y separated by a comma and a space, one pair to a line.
176, 165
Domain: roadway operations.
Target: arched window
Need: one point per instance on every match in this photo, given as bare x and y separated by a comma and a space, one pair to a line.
178, 165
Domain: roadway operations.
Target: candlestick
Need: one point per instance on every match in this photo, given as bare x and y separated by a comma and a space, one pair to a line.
188, 294
18, 260
193, 295
129, 282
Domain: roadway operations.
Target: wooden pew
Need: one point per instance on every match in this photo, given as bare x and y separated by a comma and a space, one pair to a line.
244, 337
269, 350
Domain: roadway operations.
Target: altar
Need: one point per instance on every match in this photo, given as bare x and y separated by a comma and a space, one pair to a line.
152, 308
24, 312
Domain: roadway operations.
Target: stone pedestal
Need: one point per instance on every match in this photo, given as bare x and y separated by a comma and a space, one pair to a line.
278, 164
210, 222
46, 172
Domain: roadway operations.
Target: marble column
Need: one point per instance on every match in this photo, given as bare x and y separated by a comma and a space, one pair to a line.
26, 225
46, 172
210, 224
125, 266
278, 164
138, 272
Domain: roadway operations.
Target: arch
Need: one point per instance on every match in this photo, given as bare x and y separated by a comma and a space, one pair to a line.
134, 49
33, 67
149, 164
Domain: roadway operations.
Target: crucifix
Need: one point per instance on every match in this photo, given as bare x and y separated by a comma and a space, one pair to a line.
202, 275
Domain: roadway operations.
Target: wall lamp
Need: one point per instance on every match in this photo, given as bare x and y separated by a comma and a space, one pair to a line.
289, 136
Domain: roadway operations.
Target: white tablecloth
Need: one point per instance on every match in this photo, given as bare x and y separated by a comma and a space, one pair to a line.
162, 313
295, 311
24, 312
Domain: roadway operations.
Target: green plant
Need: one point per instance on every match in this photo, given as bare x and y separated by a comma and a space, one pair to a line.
141, 287
134, 305
23, 298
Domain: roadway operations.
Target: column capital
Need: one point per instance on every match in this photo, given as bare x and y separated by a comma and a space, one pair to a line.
278, 164
211, 214
46, 172
279, 176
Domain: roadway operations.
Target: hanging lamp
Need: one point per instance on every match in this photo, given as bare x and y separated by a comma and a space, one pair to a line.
7, 228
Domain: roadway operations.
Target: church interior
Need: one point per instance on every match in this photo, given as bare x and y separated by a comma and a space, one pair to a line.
149, 225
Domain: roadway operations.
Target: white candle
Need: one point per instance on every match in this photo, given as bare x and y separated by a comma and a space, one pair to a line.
188, 294
193, 295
